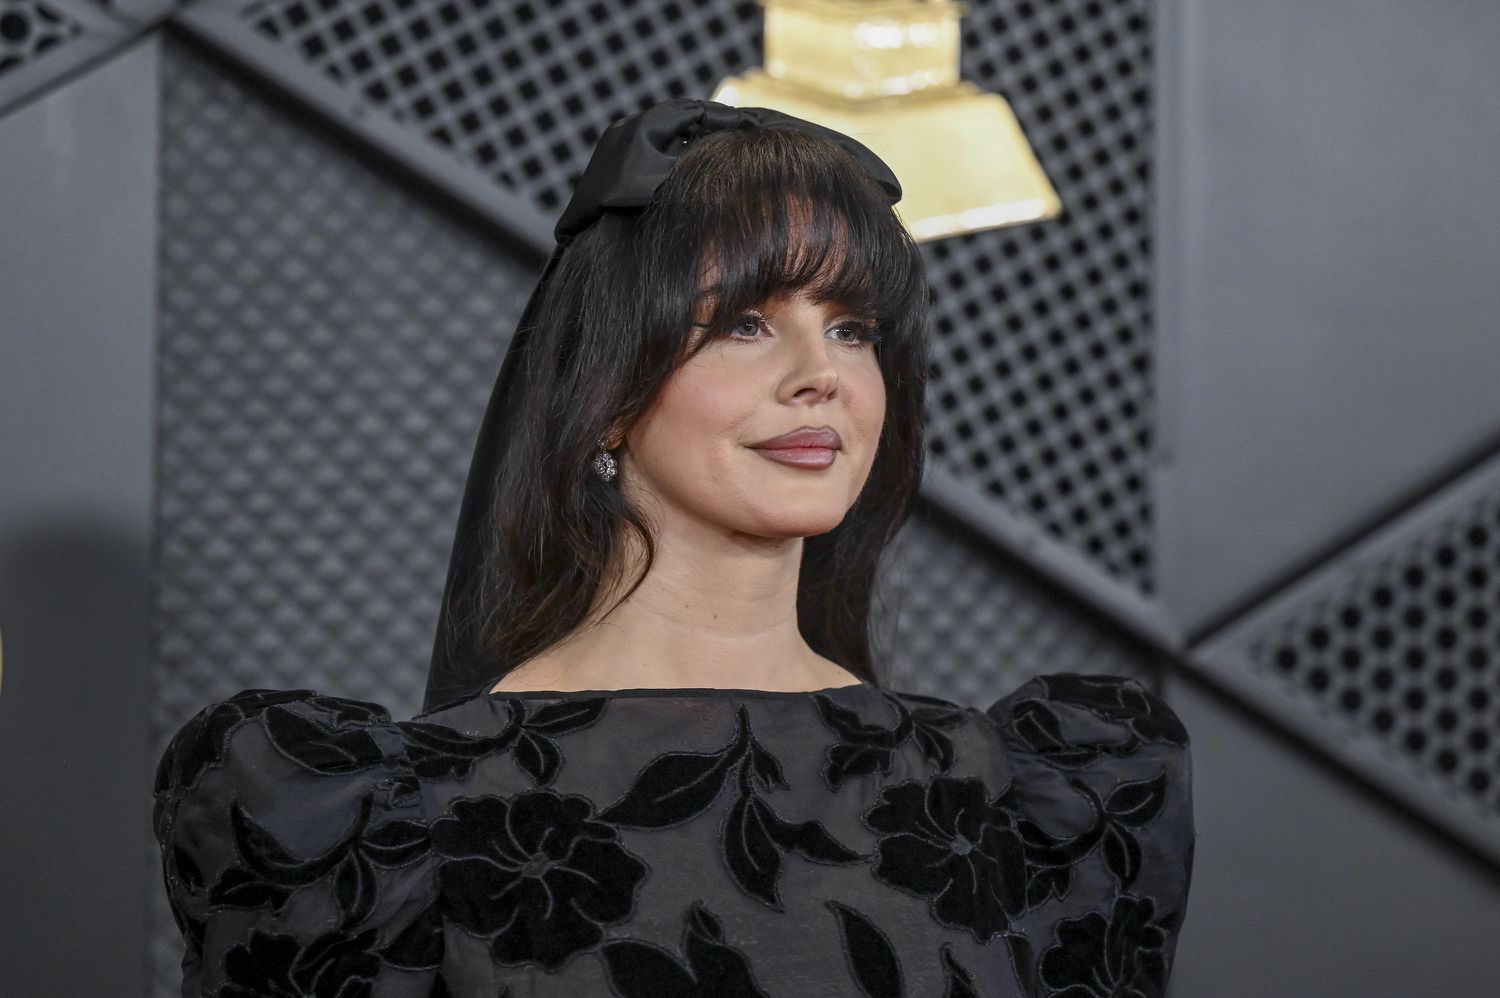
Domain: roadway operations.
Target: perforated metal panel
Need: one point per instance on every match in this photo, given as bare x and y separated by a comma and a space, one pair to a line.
1407, 650
1390, 657
521, 89
1042, 392
45, 43
967, 623
29, 28
327, 343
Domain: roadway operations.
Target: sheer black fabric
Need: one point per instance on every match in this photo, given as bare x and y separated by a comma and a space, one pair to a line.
854, 841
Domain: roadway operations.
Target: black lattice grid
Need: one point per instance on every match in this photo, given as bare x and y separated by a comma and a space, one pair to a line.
29, 28
1042, 389
1041, 395
327, 341
327, 344
971, 625
1406, 651
521, 89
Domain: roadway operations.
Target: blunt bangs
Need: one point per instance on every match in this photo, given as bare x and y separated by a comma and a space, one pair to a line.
749, 216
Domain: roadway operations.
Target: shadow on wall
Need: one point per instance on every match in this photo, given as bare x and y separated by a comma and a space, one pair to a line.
73, 731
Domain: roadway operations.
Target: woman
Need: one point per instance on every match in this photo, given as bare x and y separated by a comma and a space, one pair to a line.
656, 758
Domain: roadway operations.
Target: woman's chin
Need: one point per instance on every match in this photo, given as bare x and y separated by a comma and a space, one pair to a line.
802, 517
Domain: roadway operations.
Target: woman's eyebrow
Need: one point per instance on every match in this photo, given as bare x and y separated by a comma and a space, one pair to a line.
711, 294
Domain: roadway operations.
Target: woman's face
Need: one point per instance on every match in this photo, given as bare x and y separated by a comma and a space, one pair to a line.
788, 364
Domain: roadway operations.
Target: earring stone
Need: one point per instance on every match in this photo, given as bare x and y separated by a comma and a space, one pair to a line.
604, 463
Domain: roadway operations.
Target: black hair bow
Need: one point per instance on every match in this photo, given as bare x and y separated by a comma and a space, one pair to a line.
636, 152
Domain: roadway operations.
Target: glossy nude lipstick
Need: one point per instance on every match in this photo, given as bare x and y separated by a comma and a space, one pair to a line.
804, 447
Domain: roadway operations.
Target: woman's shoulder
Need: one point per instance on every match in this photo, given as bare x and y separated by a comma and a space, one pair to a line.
1106, 741
320, 733
291, 826
1101, 773
1073, 718
1067, 719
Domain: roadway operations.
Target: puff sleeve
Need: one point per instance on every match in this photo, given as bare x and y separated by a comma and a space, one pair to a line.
1102, 785
294, 850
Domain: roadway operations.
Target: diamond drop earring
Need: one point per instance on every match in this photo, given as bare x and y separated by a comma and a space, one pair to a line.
604, 462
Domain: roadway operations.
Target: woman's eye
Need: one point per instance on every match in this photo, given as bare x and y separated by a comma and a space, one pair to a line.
855, 333
748, 323
864, 332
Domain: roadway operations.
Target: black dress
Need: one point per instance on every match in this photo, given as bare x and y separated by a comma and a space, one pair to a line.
853, 841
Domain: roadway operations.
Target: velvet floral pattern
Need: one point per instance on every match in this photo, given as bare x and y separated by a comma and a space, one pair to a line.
537, 873
277, 966
202, 743
678, 786
1120, 954
854, 841
710, 966
268, 873
864, 747
1128, 708
947, 840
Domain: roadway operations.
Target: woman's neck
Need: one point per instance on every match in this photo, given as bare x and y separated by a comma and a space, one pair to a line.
716, 610
732, 627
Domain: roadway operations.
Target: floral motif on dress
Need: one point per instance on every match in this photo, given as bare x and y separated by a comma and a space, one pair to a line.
539, 874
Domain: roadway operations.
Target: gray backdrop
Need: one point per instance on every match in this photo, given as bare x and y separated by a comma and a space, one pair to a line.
1228, 424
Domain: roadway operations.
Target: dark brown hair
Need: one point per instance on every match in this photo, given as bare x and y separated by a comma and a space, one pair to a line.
776, 211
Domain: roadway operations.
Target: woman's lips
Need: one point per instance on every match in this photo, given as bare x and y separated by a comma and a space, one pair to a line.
798, 457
